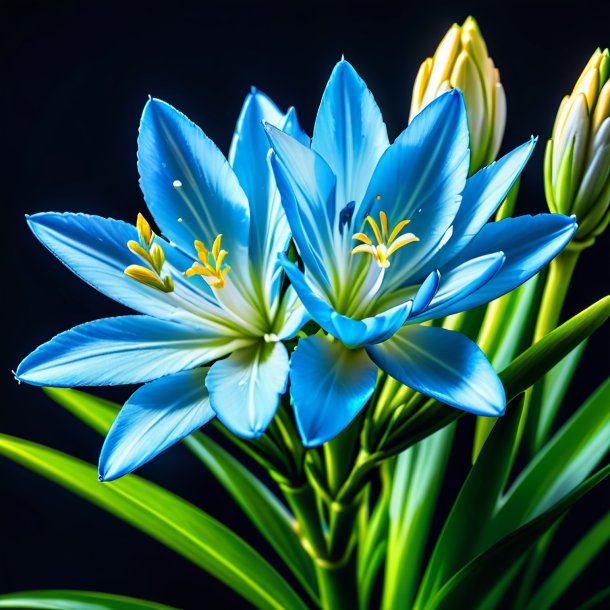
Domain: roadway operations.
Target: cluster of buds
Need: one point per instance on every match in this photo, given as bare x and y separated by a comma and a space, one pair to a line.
577, 157
461, 61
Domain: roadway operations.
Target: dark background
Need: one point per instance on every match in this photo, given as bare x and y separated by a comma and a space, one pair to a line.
75, 77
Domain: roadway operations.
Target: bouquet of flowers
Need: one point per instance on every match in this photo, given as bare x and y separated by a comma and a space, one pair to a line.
331, 306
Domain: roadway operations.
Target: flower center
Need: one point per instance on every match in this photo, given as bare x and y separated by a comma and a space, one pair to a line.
387, 242
212, 272
152, 254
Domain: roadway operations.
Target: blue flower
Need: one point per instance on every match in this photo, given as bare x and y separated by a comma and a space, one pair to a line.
210, 289
392, 236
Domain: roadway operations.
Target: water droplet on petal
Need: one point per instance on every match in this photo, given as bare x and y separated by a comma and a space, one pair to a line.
177, 184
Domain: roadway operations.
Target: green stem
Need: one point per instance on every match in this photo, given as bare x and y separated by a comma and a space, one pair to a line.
556, 287
338, 585
555, 290
339, 454
302, 500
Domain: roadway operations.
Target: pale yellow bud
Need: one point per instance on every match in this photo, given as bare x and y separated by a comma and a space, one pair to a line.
577, 157
462, 61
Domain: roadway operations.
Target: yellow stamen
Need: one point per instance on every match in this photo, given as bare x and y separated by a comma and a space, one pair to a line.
144, 230
397, 229
403, 240
213, 273
149, 278
152, 254
384, 224
363, 237
387, 242
375, 228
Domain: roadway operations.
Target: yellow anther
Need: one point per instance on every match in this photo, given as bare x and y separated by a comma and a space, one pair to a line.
384, 224
213, 273
375, 228
136, 248
144, 230
152, 255
158, 257
387, 242
149, 278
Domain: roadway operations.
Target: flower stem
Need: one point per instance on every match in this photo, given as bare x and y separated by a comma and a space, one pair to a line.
337, 581
302, 500
556, 287
558, 279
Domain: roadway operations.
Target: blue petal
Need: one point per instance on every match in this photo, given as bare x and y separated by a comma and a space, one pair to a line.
96, 250
155, 417
483, 194
307, 188
349, 132
269, 231
420, 178
442, 364
459, 283
127, 349
352, 333
529, 243
426, 293
329, 385
293, 128
184, 175
245, 388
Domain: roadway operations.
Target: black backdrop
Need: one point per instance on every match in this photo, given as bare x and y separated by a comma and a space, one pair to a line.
75, 77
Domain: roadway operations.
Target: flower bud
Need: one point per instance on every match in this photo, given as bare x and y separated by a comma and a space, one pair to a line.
461, 61
577, 157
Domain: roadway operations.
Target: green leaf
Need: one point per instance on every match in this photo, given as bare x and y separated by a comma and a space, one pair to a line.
416, 483
459, 540
504, 332
571, 566
537, 360
75, 600
548, 399
519, 375
260, 505
477, 579
571, 455
167, 518
98, 413
599, 601
373, 543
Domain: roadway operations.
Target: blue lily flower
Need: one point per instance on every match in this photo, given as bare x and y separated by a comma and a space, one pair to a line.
211, 289
391, 237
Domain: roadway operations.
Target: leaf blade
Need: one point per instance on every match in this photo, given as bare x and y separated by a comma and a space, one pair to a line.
167, 518
76, 600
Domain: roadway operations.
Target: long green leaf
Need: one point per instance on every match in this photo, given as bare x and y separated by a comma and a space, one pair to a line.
599, 601
572, 565
519, 375
98, 413
571, 455
477, 579
416, 483
167, 518
502, 335
261, 506
372, 546
76, 600
541, 357
459, 540
547, 400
